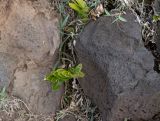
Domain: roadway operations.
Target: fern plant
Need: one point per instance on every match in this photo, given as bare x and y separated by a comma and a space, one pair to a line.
59, 76
81, 7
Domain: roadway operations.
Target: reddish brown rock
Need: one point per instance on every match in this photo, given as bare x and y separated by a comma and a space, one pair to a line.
29, 39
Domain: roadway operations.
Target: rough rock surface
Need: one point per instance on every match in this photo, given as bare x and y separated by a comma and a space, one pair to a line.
28, 42
119, 70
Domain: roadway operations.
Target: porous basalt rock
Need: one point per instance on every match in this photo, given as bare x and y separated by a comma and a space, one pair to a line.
119, 75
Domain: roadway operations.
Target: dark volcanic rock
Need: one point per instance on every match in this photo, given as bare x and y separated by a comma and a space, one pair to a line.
119, 70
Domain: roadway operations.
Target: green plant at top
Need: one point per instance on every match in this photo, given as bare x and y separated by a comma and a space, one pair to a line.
64, 17
81, 7
59, 76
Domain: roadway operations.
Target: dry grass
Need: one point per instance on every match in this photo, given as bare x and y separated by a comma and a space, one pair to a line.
14, 109
79, 106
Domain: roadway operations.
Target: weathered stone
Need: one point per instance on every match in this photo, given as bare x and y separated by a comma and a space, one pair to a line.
119, 74
8, 65
157, 6
28, 42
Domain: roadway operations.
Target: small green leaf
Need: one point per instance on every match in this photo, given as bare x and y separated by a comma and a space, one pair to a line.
56, 86
81, 7
75, 7
82, 4
156, 18
76, 69
107, 13
122, 19
78, 75
62, 74
3, 94
64, 23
